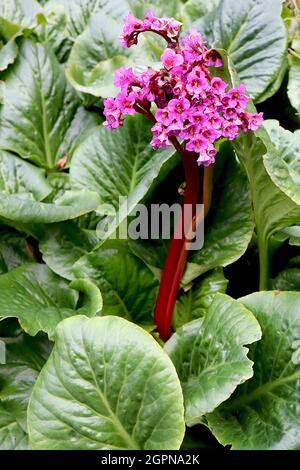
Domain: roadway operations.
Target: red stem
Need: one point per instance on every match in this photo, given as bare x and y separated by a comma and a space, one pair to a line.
178, 249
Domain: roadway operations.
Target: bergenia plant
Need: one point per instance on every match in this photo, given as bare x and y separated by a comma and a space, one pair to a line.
192, 109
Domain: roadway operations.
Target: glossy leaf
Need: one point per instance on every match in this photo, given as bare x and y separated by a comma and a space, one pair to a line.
264, 413
24, 358
254, 36
138, 406
210, 355
20, 177
39, 112
95, 55
40, 299
20, 12
12, 436
63, 244
283, 166
288, 279
294, 76
121, 164
273, 210
25, 210
14, 251
229, 226
128, 286
195, 302
8, 54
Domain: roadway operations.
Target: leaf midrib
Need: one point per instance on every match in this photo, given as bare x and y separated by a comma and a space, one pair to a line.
44, 118
114, 418
260, 391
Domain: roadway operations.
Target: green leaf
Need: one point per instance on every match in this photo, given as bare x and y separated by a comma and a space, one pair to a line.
63, 244
293, 235
288, 279
20, 12
25, 210
139, 406
195, 302
53, 30
95, 55
8, 54
81, 11
128, 286
39, 112
264, 413
210, 355
254, 35
294, 76
12, 436
192, 10
14, 251
283, 166
20, 177
273, 209
228, 227
25, 356
40, 299
121, 164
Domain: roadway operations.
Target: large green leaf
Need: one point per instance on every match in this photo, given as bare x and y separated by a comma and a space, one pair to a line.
288, 279
210, 357
21, 177
121, 164
25, 357
110, 386
264, 413
254, 35
63, 244
20, 12
95, 55
39, 112
195, 302
8, 54
128, 286
26, 210
192, 10
14, 251
283, 166
40, 299
273, 209
229, 226
12, 436
294, 76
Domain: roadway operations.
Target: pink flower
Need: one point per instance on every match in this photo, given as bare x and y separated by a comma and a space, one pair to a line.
170, 59
230, 130
197, 144
254, 120
179, 105
160, 137
126, 102
193, 47
213, 59
196, 83
124, 77
163, 116
218, 85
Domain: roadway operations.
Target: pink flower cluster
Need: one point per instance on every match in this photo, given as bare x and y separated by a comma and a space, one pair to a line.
191, 103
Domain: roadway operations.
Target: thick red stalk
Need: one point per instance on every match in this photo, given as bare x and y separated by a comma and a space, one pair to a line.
178, 248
